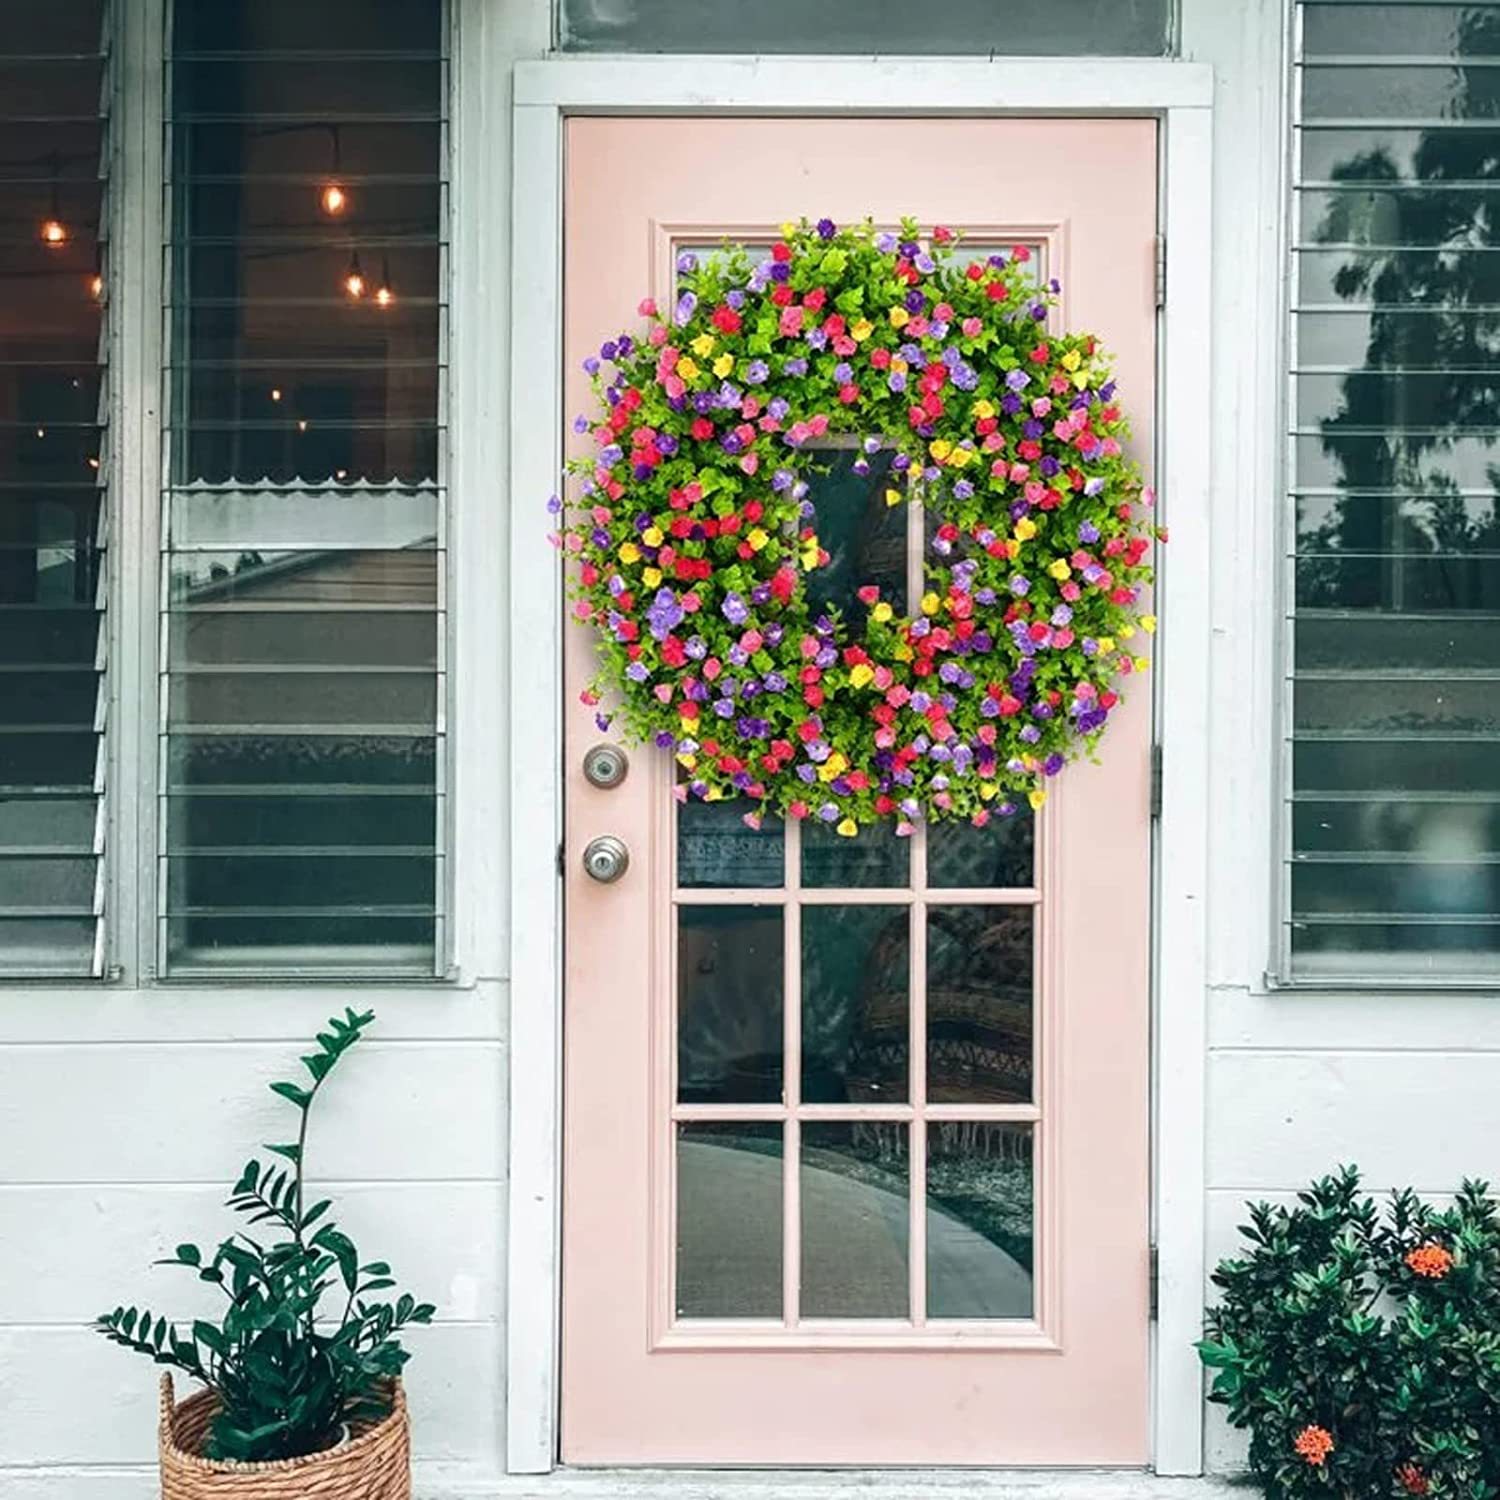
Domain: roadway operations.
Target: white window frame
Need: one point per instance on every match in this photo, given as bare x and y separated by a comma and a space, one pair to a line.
1180, 95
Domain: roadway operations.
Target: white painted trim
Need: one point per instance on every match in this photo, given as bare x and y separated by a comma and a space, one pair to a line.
1178, 93
847, 85
535, 1136
1180, 908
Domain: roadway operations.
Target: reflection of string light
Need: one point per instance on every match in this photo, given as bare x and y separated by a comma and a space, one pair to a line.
354, 278
335, 200
302, 425
93, 463
341, 473
384, 295
276, 393
54, 234
96, 286
41, 432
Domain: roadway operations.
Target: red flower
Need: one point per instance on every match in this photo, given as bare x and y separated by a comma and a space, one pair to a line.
781, 251
1314, 1444
702, 429
1412, 1479
1430, 1260
725, 319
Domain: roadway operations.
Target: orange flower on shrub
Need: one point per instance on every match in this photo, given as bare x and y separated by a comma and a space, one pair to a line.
1413, 1480
1314, 1444
1430, 1260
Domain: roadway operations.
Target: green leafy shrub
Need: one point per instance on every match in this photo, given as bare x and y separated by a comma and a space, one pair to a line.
1361, 1345
286, 1380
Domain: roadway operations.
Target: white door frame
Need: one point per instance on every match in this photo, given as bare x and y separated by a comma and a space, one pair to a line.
1180, 95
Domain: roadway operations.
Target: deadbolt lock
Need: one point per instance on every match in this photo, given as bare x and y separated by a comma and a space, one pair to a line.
605, 766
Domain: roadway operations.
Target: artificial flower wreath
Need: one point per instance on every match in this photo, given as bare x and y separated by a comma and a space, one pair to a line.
692, 531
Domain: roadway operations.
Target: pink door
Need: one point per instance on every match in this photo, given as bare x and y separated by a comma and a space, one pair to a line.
856, 1153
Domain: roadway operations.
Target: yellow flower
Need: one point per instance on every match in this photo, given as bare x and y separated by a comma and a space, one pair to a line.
1141, 663
723, 365
984, 409
788, 229
713, 794
687, 762
629, 552
652, 536
903, 652
861, 330
703, 345
1071, 360
686, 368
898, 365
1012, 548
940, 448
835, 765
860, 674
1025, 529
988, 790
899, 317
757, 539
881, 613
1081, 379
1106, 644
1036, 799
809, 557
893, 497
651, 577
959, 457
931, 603
847, 828
1148, 624
1126, 632
1059, 569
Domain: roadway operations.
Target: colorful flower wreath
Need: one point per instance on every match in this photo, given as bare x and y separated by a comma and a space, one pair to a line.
693, 534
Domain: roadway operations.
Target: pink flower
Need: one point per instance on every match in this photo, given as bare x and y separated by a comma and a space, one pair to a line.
791, 322
972, 327
647, 307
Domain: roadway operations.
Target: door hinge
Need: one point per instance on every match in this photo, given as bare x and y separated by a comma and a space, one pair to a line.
1161, 270
1156, 781
562, 858
1153, 1283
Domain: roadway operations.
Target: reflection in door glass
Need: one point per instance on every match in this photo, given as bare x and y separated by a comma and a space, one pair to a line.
855, 1216
876, 858
716, 849
729, 1004
1001, 854
863, 532
856, 995
729, 1199
979, 1004
980, 1220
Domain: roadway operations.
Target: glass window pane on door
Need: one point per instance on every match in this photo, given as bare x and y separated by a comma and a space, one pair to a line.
1393, 817
857, 1097
304, 531
56, 86
1050, 28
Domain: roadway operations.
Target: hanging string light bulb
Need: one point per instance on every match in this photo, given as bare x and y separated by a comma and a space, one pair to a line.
354, 279
54, 232
96, 281
385, 294
334, 197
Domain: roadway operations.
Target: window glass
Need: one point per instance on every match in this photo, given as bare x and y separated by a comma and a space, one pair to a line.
1053, 28
1393, 856
54, 481
302, 756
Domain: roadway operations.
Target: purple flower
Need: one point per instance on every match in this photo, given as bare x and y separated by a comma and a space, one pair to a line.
591, 365
781, 480
611, 454
826, 229
915, 301
842, 372
735, 298
964, 377
580, 424
664, 614
1093, 486
687, 262
687, 305
757, 372
779, 407
924, 263
554, 505
608, 349
963, 490
896, 381
885, 243
909, 248
781, 270
734, 609
1017, 380
796, 365
1020, 586
637, 672
816, 338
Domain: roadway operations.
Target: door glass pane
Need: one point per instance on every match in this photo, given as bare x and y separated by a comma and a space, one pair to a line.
855, 1216
863, 533
979, 1004
856, 1041
729, 1201
874, 857
730, 1004
715, 848
1001, 854
980, 1220
1047, 28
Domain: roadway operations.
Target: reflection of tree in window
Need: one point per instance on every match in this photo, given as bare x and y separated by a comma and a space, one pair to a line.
1397, 582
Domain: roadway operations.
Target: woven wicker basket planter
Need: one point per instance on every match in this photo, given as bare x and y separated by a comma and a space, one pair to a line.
375, 1464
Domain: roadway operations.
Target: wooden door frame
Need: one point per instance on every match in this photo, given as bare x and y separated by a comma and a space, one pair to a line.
1180, 96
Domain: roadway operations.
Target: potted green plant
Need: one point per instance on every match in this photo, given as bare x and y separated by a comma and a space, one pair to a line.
301, 1372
